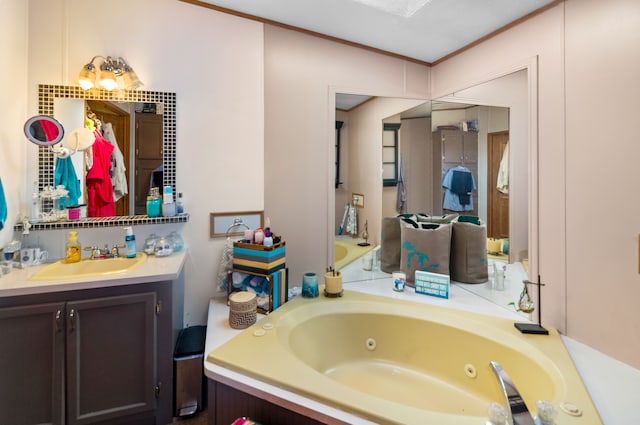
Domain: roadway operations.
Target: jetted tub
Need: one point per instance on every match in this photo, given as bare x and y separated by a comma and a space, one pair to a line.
400, 362
346, 250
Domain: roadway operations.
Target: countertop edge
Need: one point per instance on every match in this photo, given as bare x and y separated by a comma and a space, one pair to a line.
154, 269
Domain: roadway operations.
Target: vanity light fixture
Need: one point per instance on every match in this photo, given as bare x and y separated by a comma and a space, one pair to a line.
114, 73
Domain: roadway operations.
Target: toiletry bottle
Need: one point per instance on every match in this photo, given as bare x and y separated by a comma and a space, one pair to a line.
180, 204
154, 203
130, 242
168, 205
73, 251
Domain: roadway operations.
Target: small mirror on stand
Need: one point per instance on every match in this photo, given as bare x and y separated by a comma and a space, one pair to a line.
43, 130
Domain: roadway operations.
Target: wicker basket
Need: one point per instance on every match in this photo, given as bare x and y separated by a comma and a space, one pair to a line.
242, 309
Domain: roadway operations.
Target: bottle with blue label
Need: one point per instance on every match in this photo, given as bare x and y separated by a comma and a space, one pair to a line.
130, 242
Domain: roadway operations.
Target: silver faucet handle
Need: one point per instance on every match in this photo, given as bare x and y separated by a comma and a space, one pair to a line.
95, 251
115, 250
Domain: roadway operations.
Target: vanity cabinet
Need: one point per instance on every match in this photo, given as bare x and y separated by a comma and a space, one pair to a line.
95, 356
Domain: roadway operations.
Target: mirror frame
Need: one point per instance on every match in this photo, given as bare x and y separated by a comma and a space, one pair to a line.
47, 93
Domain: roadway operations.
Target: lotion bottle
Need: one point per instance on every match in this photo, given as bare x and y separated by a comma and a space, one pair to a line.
130, 242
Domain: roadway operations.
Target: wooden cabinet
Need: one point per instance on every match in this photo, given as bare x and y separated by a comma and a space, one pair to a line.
87, 357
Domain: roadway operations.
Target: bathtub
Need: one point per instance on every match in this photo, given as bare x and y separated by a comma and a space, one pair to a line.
346, 250
399, 362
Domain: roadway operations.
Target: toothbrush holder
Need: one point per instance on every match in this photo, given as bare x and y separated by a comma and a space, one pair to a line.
333, 284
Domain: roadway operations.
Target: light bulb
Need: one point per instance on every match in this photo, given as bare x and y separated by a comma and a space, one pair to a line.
108, 79
87, 77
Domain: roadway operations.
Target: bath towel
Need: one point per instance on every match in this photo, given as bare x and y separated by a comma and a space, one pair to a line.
119, 177
503, 172
99, 186
401, 201
65, 175
3, 207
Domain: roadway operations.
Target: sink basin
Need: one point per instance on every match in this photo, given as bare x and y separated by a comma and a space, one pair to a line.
89, 268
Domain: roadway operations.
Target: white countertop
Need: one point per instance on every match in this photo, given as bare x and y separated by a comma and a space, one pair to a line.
613, 385
153, 269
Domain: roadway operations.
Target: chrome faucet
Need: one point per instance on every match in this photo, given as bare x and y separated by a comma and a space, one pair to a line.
97, 253
517, 412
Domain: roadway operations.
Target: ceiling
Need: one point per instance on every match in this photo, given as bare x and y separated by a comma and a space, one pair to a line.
435, 30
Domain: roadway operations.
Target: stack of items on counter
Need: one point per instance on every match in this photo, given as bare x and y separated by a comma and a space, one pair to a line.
259, 267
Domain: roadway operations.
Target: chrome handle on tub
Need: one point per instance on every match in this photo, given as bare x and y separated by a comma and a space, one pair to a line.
72, 320
518, 414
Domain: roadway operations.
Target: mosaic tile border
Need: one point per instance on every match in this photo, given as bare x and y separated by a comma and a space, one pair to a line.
92, 223
47, 93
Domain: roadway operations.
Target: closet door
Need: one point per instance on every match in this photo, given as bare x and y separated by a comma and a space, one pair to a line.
149, 152
451, 146
470, 147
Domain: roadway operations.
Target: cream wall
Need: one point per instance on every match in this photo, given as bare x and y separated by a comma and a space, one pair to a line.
586, 58
212, 61
13, 77
302, 74
602, 92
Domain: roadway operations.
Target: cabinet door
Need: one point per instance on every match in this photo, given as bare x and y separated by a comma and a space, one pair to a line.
31, 364
470, 147
451, 145
111, 347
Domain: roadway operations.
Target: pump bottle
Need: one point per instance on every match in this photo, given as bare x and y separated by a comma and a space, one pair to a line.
73, 250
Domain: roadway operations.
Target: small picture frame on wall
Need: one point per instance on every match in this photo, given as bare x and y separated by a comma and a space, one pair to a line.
357, 200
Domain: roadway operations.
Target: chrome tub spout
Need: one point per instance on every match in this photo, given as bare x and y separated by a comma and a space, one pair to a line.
517, 411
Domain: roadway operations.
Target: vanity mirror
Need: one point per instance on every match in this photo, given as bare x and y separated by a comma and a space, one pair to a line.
50, 99
53, 101
43, 130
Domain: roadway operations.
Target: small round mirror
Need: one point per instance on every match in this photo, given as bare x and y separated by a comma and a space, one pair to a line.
43, 130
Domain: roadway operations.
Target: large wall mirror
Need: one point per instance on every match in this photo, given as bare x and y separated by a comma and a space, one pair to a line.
495, 114
145, 126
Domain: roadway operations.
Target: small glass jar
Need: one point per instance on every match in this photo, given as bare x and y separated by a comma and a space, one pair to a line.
163, 248
150, 244
176, 241
154, 203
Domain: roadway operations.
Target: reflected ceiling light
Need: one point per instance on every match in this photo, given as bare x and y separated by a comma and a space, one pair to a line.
114, 73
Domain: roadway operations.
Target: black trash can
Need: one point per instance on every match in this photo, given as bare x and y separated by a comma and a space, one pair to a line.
188, 373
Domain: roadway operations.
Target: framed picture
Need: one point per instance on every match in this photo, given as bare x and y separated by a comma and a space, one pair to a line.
234, 223
357, 200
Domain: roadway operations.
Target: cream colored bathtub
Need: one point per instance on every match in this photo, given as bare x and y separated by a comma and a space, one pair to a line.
401, 362
346, 250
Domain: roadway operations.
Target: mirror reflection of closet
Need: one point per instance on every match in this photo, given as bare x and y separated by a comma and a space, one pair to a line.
138, 132
488, 103
67, 104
